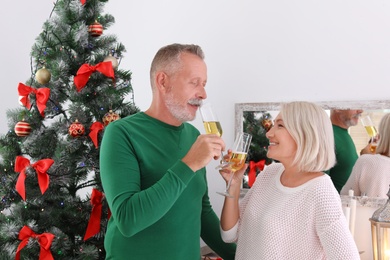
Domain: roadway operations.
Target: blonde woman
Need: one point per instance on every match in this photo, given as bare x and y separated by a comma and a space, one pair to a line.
293, 210
371, 173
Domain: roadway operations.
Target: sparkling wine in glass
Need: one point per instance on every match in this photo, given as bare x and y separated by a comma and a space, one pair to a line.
371, 131
237, 160
212, 126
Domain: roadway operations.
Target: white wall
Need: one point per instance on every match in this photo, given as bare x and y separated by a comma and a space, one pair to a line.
256, 51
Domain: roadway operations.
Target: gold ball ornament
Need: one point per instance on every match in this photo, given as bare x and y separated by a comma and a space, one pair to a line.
95, 29
110, 117
43, 76
113, 60
76, 129
22, 128
267, 124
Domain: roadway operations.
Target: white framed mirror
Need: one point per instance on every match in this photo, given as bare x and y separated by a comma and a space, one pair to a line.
253, 114
366, 105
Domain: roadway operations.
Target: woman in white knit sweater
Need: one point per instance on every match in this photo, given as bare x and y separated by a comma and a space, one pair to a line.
293, 210
370, 175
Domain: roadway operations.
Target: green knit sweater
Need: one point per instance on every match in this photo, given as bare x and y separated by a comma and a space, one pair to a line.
160, 207
346, 157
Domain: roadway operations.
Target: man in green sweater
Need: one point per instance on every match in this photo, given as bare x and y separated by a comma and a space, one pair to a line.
153, 168
346, 154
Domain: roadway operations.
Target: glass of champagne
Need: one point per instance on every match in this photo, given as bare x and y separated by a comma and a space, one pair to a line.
371, 131
237, 159
212, 126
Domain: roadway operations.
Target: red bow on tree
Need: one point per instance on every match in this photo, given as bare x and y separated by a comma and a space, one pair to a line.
40, 167
96, 214
85, 71
94, 130
44, 241
252, 170
41, 96
83, 1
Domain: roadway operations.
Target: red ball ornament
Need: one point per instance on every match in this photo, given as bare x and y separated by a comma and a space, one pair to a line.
22, 128
95, 29
109, 117
76, 129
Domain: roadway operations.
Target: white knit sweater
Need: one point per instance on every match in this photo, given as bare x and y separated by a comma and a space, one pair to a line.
370, 175
283, 223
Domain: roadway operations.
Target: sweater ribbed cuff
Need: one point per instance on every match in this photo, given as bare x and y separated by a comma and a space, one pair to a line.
182, 171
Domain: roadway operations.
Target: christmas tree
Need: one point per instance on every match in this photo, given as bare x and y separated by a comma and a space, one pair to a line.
52, 202
257, 124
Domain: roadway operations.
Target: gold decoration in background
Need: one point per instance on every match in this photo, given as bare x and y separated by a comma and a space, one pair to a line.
43, 76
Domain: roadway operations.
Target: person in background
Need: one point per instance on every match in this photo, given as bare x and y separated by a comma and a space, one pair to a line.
371, 174
346, 154
292, 210
153, 168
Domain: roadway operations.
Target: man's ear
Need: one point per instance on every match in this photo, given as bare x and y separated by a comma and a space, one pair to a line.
162, 81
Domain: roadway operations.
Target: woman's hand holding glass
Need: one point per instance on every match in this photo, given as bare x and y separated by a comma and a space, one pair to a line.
236, 160
235, 177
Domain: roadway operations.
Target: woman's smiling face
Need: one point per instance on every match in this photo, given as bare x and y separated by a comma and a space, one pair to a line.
282, 146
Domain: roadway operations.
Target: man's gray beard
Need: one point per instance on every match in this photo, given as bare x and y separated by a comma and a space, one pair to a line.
351, 122
178, 111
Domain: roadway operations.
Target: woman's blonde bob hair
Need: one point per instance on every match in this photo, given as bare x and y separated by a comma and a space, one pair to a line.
384, 136
309, 125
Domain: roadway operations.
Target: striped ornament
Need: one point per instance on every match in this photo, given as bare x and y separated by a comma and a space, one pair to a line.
95, 29
22, 128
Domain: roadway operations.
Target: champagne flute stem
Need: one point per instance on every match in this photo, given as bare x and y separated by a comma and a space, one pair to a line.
229, 183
